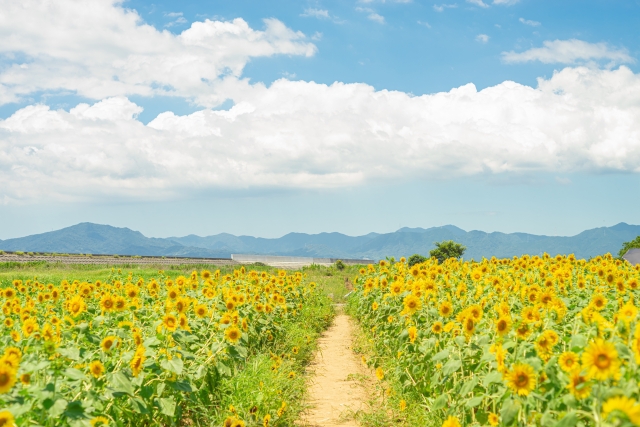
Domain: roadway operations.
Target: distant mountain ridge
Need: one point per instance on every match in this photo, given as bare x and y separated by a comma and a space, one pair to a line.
105, 239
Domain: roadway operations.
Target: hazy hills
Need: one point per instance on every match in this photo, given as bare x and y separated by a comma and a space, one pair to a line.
104, 239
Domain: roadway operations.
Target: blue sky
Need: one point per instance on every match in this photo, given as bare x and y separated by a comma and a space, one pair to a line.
322, 118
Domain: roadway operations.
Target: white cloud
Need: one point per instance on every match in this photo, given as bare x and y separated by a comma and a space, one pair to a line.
478, 3
425, 23
376, 18
316, 13
297, 134
371, 14
109, 51
482, 38
569, 52
529, 22
442, 7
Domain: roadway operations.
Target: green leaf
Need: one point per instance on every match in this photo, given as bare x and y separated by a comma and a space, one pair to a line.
441, 355
468, 387
121, 384
475, 401
440, 402
74, 410
509, 412
167, 406
57, 408
181, 386
623, 350
492, 377
578, 342
569, 420
223, 369
451, 367
75, 374
139, 406
72, 353
174, 365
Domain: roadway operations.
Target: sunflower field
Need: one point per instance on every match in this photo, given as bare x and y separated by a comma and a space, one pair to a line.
200, 349
530, 341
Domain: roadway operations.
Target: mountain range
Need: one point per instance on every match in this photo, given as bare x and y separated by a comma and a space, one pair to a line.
105, 239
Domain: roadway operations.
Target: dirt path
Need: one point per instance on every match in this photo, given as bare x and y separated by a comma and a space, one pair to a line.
335, 390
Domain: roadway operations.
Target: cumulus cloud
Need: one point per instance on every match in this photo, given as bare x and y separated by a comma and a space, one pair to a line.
316, 13
109, 51
296, 134
529, 22
482, 38
569, 52
478, 3
371, 14
442, 7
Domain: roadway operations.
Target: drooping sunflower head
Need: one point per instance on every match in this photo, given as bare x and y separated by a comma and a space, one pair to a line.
622, 407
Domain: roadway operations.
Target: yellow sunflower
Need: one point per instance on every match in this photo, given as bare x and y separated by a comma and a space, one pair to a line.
137, 361
600, 359
579, 384
568, 361
494, 419
170, 322
6, 419
451, 422
445, 309
413, 333
7, 378
411, 304
437, 328
233, 334
108, 343
521, 379
622, 405
96, 368
503, 326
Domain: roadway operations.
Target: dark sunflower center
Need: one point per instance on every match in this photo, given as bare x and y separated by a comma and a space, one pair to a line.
522, 380
603, 361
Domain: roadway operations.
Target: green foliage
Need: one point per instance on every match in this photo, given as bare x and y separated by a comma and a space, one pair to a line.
447, 249
634, 244
340, 265
416, 259
19, 253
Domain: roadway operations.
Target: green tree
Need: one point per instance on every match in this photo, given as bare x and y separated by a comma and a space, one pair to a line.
415, 259
634, 244
447, 249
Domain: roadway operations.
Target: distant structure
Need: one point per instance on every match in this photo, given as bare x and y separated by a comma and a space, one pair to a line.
633, 256
294, 261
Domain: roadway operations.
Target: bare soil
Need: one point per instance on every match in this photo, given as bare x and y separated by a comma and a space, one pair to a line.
338, 387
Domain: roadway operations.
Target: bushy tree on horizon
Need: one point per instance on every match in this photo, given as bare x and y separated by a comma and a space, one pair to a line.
447, 249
